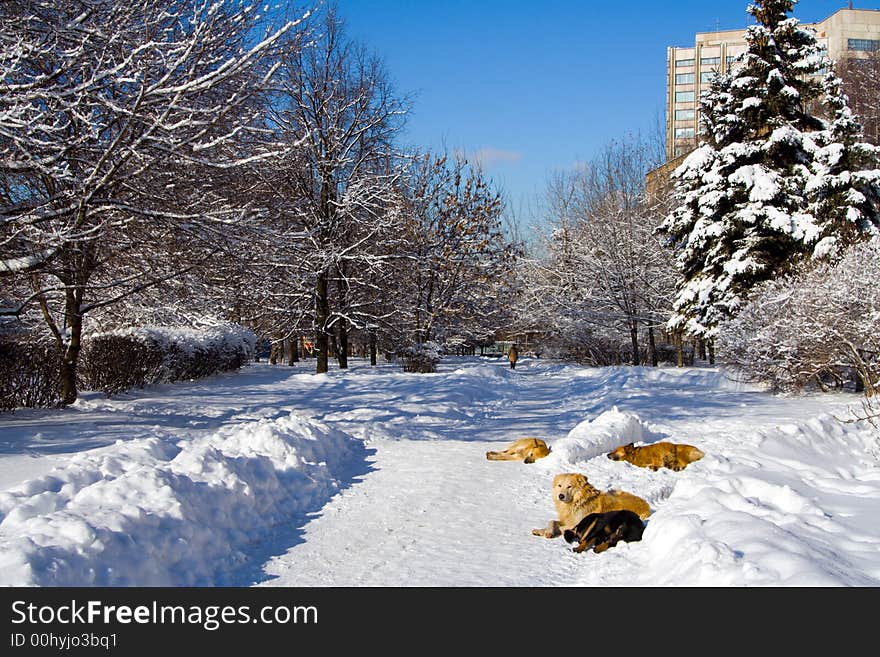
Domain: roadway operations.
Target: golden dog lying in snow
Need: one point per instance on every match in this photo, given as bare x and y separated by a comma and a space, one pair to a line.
658, 455
575, 498
527, 450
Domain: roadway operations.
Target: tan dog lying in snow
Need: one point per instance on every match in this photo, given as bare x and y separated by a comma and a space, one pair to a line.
658, 455
575, 498
527, 450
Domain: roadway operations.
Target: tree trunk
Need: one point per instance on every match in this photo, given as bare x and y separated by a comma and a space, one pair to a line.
652, 347
322, 315
711, 352
679, 350
70, 356
372, 348
634, 337
294, 351
702, 349
342, 344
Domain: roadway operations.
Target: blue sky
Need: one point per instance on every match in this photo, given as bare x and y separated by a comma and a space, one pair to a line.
537, 86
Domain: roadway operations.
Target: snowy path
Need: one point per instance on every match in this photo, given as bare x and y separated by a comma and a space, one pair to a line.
431, 514
785, 496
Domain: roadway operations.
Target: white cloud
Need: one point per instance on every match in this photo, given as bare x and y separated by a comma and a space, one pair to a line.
487, 156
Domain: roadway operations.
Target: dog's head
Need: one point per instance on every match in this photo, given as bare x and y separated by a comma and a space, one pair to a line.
621, 452
537, 451
571, 536
571, 487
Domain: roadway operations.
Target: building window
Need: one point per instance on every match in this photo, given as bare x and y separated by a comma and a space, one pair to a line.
731, 59
710, 61
684, 96
863, 45
684, 78
684, 62
684, 133
685, 115
708, 76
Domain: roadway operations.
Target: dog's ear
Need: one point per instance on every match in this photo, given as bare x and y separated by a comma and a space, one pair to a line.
630, 446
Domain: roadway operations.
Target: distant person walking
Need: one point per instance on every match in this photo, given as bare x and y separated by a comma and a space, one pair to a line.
512, 356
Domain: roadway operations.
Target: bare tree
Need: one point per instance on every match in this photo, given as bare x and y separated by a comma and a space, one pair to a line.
457, 274
114, 116
338, 105
605, 274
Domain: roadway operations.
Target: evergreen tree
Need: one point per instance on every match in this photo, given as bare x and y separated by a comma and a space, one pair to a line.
772, 182
844, 190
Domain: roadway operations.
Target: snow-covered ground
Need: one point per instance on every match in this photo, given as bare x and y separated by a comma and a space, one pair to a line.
277, 477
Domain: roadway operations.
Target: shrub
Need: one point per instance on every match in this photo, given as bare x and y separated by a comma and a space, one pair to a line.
114, 363
814, 329
132, 358
29, 374
420, 358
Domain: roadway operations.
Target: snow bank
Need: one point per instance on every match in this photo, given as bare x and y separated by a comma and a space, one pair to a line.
599, 436
781, 514
150, 512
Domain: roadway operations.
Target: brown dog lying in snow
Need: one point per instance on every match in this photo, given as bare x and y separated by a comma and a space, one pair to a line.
658, 455
575, 498
527, 450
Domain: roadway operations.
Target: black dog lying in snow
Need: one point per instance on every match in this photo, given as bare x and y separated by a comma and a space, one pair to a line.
601, 531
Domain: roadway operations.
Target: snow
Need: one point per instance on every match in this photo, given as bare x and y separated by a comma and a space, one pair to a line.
592, 438
226, 337
700, 159
825, 247
763, 184
152, 512
276, 477
24, 263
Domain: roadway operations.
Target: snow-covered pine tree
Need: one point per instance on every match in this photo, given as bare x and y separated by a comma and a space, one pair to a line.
772, 182
844, 190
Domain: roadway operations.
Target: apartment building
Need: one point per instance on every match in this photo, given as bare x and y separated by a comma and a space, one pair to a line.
846, 33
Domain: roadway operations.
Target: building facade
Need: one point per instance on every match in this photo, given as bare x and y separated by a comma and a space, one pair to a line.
689, 70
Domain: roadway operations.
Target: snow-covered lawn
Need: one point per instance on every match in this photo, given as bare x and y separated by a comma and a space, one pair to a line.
376, 477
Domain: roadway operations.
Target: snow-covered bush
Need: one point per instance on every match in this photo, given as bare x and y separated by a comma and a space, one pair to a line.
134, 357
28, 374
420, 358
817, 328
